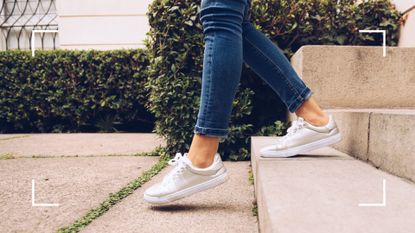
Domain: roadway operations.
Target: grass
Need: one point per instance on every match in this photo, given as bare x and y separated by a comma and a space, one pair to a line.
251, 182
6, 156
14, 137
255, 209
156, 152
114, 198
250, 176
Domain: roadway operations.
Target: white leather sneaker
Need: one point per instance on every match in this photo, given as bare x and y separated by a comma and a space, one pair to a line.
185, 179
302, 137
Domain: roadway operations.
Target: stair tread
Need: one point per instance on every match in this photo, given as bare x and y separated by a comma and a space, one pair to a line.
402, 111
321, 193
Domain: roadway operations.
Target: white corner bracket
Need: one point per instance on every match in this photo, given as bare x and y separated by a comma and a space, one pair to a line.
383, 34
383, 204
33, 37
34, 204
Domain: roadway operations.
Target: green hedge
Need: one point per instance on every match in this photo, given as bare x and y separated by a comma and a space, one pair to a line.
175, 47
292, 24
72, 91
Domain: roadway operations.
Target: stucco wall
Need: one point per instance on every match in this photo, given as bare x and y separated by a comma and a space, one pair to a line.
407, 37
102, 24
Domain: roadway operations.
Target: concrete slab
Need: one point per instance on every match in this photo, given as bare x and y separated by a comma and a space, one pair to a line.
384, 137
358, 76
354, 127
77, 184
77, 144
261, 141
392, 143
226, 208
323, 195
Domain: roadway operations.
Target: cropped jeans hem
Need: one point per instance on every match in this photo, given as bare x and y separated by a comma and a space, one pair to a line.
297, 101
212, 132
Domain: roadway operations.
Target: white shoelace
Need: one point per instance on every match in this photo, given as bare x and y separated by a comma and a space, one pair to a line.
295, 126
179, 167
176, 159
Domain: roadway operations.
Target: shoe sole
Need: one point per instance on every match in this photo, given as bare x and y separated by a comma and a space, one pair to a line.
222, 178
303, 148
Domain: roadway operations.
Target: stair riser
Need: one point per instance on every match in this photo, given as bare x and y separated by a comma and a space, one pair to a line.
386, 140
358, 76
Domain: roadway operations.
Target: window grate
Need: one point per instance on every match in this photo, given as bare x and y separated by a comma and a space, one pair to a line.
19, 17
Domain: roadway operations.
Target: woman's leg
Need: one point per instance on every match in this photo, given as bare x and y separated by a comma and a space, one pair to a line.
202, 168
222, 66
313, 129
267, 60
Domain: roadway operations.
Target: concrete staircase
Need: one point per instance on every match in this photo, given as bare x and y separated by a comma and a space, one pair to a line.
373, 100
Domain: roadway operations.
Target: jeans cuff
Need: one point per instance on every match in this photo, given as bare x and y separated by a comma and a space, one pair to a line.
211, 132
299, 100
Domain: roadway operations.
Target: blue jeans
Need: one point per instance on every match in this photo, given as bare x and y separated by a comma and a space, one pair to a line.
231, 39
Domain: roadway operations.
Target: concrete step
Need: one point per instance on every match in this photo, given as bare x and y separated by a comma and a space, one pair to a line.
383, 137
358, 76
321, 193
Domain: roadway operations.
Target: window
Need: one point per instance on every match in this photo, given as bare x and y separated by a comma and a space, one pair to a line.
19, 17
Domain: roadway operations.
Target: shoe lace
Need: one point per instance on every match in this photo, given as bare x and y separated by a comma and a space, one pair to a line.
174, 161
295, 126
179, 167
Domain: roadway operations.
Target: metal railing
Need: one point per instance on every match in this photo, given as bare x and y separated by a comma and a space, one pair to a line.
19, 17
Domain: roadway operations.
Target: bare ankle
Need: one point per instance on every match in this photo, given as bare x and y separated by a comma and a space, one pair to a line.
202, 151
316, 120
312, 113
201, 164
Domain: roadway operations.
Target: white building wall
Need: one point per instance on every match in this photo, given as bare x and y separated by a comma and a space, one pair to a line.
407, 31
407, 37
102, 24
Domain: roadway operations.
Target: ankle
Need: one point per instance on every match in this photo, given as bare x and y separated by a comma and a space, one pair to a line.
316, 119
201, 158
200, 163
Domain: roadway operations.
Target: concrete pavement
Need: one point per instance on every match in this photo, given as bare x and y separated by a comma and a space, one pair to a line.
79, 182
226, 208
77, 144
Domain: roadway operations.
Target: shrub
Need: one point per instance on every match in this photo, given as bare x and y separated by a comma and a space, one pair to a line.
175, 45
292, 24
63, 90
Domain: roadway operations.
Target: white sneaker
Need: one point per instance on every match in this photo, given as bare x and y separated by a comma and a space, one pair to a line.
302, 137
184, 180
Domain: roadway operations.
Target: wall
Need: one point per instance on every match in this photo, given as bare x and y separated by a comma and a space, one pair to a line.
102, 24
407, 37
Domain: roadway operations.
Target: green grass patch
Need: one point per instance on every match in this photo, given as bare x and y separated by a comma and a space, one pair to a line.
14, 137
255, 209
159, 150
114, 198
6, 156
250, 176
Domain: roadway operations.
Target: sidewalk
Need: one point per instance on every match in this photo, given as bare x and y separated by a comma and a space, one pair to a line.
77, 144
80, 171
226, 208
